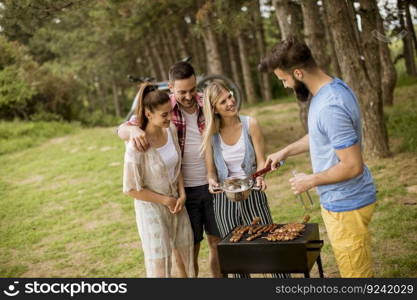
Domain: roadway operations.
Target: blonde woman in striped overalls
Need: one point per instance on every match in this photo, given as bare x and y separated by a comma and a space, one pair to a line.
233, 146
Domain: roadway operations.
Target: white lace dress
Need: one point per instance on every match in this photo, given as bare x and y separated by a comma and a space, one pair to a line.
160, 230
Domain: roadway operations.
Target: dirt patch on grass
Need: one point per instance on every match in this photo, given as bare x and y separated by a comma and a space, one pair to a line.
107, 148
31, 180
408, 200
131, 245
110, 211
412, 189
58, 140
53, 207
72, 265
61, 181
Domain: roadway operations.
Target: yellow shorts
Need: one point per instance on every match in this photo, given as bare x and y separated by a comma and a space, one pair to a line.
349, 236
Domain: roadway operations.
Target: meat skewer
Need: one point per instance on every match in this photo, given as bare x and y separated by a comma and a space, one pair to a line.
254, 236
287, 232
254, 228
259, 229
236, 230
256, 221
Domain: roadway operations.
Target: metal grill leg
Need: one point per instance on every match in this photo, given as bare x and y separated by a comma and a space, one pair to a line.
319, 265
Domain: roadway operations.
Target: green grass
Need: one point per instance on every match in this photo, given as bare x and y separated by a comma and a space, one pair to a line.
402, 118
63, 214
62, 208
285, 99
18, 135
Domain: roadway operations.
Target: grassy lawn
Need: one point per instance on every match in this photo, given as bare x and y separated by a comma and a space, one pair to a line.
62, 212
15, 136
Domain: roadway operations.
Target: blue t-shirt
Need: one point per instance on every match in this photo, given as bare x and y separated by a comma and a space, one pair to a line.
334, 123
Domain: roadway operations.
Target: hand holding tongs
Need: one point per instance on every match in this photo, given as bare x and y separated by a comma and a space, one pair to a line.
300, 197
266, 170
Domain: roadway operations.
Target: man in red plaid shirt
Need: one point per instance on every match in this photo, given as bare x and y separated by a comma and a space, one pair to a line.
187, 115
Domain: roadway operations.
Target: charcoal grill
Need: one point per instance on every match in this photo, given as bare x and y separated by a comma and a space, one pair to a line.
263, 256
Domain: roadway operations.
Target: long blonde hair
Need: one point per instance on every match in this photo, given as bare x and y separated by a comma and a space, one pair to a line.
212, 120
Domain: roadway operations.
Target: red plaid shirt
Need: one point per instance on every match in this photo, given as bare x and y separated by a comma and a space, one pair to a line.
179, 121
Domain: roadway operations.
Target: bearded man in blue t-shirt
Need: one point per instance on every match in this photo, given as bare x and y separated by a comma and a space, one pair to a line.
342, 180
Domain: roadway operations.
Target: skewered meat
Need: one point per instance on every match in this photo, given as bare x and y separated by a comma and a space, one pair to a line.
282, 236
236, 238
254, 236
244, 229
254, 229
274, 232
265, 228
238, 233
256, 220
287, 232
237, 229
259, 229
273, 227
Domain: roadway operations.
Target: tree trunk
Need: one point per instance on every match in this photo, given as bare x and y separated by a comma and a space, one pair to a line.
165, 52
388, 71
289, 18
370, 45
247, 76
170, 42
333, 56
198, 60
410, 26
354, 21
101, 95
407, 41
203, 55
355, 74
233, 61
180, 41
314, 33
260, 42
152, 65
116, 98
214, 62
224, 55
157, 56
205, 18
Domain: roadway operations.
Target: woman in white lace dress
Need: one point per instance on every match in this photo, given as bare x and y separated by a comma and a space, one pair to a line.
154, 179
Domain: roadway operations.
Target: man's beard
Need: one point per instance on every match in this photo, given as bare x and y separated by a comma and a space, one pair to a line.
193, 100
301, 91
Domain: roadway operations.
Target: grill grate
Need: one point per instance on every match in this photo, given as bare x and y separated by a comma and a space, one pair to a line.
263, 256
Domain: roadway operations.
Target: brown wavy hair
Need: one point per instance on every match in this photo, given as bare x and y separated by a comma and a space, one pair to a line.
288, 55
